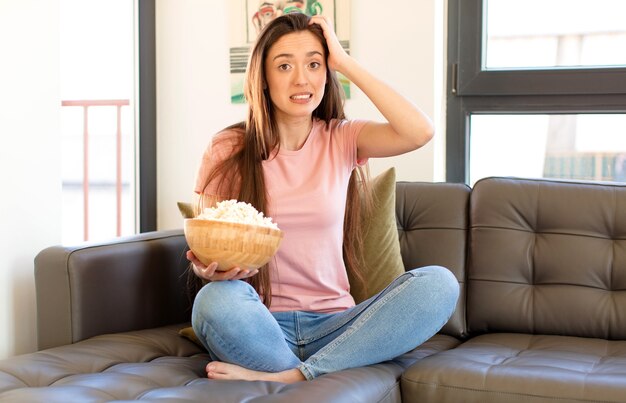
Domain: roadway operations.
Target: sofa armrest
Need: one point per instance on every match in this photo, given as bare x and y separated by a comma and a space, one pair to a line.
128, 283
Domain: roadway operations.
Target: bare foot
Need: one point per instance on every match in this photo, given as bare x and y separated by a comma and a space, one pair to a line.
222, 370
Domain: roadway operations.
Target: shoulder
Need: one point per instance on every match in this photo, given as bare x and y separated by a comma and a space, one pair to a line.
227, 141
342, 126
231, 135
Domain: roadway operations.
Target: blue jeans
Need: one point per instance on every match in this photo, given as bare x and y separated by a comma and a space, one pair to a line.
234, 325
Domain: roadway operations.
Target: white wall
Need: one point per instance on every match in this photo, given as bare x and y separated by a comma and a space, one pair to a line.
30, 166
401, 44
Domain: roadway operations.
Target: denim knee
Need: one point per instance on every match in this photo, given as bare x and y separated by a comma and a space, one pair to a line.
442, 282
217, 299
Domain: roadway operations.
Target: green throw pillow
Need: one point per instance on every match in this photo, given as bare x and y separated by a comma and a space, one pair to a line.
186, 209
188, 333
382, 257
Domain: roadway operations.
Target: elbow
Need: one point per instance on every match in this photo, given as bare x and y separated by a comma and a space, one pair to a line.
430, 133
425, 135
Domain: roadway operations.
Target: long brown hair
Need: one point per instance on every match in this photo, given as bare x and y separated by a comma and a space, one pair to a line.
259, 137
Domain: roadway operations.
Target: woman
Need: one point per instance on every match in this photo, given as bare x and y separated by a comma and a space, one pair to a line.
295, 159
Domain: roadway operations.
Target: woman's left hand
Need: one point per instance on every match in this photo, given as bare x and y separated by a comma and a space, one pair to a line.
337, 56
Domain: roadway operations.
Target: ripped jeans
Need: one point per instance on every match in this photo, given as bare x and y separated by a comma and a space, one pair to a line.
235, 327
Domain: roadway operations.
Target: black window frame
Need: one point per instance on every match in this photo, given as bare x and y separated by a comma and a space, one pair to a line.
147, 204
471, 89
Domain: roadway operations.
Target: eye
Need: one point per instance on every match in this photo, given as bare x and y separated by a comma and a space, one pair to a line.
315, 65
284, 67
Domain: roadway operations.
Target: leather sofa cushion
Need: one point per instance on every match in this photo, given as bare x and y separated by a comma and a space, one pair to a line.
547, 257
433, 225
521, 368
159, 365
103, 368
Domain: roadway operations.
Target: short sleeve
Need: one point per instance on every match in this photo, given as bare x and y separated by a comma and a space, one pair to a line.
349, 131
223, 145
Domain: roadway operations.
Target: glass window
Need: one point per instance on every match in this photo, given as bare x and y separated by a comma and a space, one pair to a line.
555, 33
536, 88
98, 119
563, 146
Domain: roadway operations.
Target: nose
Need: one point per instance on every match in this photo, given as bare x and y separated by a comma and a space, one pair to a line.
300, 78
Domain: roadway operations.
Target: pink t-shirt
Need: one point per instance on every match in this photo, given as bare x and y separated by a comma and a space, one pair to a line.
307, 192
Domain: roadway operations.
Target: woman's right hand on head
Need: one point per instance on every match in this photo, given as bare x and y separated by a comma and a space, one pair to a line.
210, 272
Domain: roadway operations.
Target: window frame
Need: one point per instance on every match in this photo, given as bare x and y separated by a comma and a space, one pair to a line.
473, 90
147, 145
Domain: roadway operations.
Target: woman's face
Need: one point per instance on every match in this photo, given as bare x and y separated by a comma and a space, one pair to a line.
295, 71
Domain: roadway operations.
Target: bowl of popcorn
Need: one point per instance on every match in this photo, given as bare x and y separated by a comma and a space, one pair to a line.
233, 234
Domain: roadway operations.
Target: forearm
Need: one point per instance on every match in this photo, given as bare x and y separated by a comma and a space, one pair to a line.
405, 118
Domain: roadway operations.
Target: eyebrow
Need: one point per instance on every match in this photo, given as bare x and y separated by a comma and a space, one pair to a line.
290, 55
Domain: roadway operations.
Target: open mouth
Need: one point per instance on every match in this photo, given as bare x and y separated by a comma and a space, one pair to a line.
301, 97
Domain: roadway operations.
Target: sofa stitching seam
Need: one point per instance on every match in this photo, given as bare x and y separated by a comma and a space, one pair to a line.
388, 391
502, 392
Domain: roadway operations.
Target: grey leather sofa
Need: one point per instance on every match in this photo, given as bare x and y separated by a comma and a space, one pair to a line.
541, 318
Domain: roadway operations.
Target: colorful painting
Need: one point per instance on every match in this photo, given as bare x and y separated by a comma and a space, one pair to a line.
248, 17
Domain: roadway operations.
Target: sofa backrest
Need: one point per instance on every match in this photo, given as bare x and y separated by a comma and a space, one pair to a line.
547, 257
432, 225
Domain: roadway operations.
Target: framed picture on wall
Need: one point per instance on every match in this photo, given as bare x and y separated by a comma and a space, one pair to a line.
248, 17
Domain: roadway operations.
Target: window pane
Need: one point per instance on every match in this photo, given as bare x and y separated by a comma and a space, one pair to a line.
555, 33
571, 146
98, 118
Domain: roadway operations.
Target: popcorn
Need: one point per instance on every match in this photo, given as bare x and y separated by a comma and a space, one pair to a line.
236, 211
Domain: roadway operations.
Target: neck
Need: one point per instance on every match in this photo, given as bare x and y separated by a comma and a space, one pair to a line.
294, 132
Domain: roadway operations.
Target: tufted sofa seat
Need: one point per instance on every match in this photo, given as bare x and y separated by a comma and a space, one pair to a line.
514, 367
159, 365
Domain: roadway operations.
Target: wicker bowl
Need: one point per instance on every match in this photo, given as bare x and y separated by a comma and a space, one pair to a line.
231, 244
